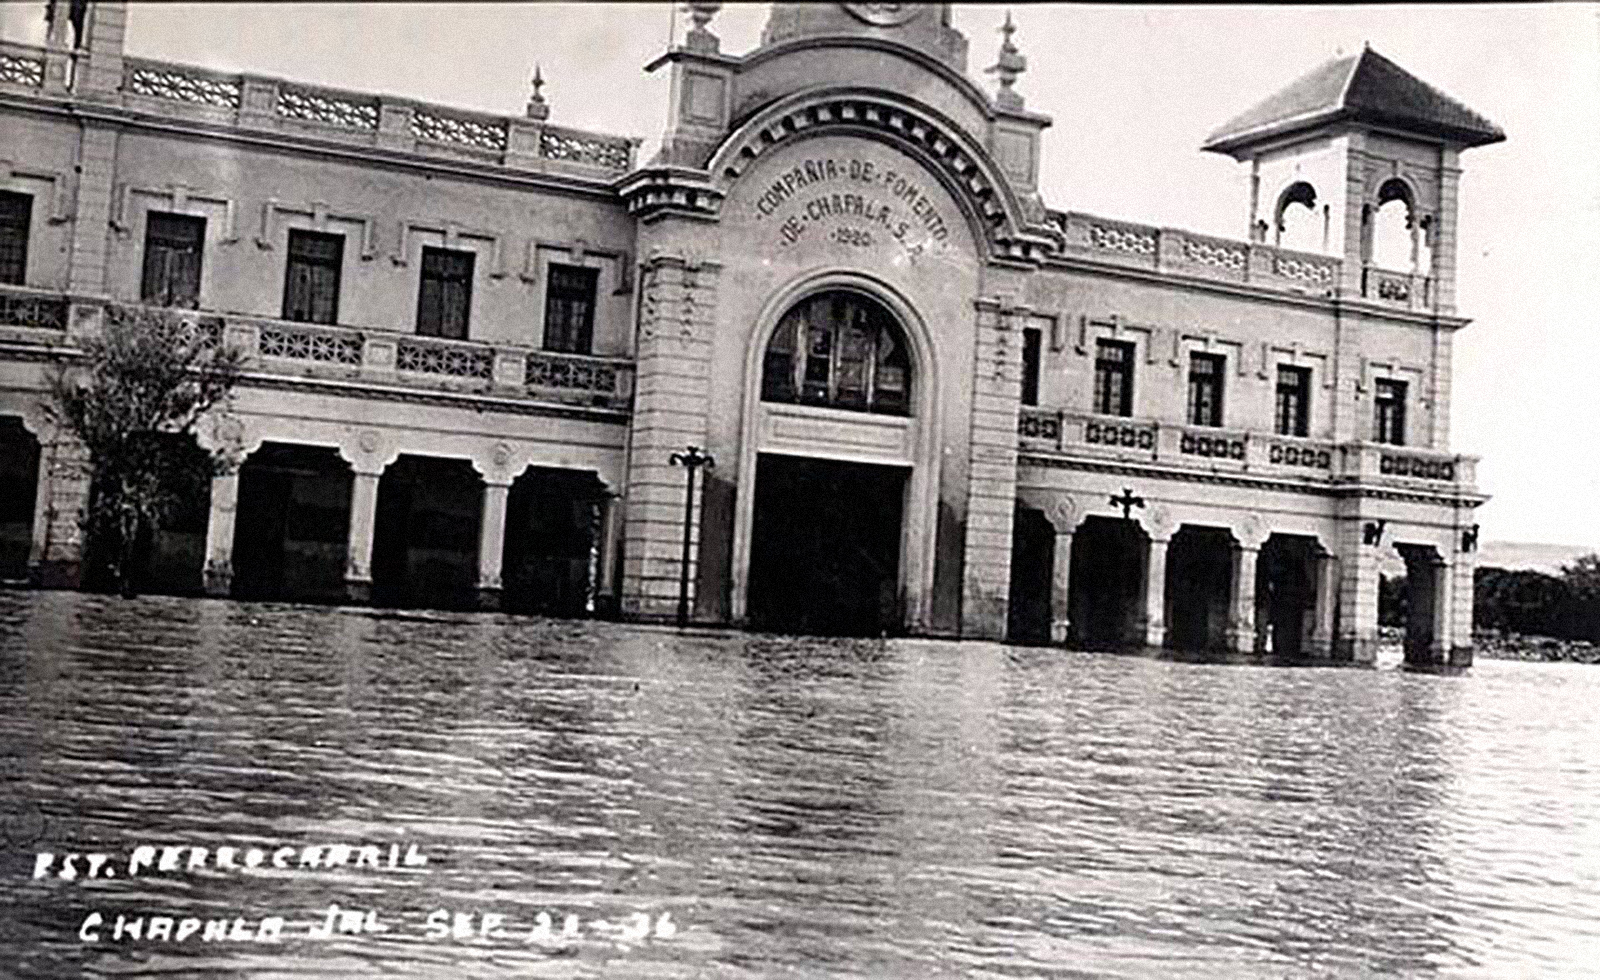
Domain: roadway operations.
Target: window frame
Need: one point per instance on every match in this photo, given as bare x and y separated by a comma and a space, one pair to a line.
1105, 368
1300, 423
160, 279
437, 324
560, 302
1032, 364
1202, 413
19, 222
335, 263
830, 336
1389, 427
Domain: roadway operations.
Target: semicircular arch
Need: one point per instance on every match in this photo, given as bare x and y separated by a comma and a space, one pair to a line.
960, 164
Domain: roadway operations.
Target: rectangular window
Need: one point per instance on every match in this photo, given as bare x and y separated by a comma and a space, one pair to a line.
311, 282
1113, 377
16, 214
1294, 400
172, 248
569, 309
1205, 389
1389, 411
445, 297
1030, 365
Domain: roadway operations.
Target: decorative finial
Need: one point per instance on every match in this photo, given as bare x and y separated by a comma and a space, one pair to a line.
1007, 67
698, 38
537, 108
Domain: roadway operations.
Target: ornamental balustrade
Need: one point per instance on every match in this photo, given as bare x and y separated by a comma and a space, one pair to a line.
1203, 448
298, 342
1200, 256
1405, 289
21, 64
259, 102
437, 357
23, 307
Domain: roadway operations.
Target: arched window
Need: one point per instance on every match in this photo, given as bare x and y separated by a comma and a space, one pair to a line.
842, 350
1399, 235
1300, 228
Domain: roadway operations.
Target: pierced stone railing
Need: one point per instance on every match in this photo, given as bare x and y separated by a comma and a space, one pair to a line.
609, 152
1415, 465
23, 307
300, 342
257, 102
1397, 288
459, 129
21, 64
327, 107
1215, 450
1201, 256
441, 357
181, 83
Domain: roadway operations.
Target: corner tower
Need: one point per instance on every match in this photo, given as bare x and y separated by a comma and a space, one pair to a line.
1360, 159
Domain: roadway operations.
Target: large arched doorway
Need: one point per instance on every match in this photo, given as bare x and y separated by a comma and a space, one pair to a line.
1107, 584
832, 470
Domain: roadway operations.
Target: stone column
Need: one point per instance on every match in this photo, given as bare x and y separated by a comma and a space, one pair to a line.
1443, 619
1242, 604
358, 550
1155, 594
610, 539
491, 543
1060, 588
1461, 595
218, 574
1356, 633
1326, 573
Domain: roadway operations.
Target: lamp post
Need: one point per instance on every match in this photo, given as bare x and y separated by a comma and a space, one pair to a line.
690, 460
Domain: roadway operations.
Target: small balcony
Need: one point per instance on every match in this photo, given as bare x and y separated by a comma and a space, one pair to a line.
1407, 290
1203, 449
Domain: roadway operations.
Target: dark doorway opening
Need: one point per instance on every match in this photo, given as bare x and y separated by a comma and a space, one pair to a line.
552, 562
1106, 592
19, 482
167, 559
293, 524
1424, 571
825, 547
1199, 584
425, 548
1033, 548
1286, 593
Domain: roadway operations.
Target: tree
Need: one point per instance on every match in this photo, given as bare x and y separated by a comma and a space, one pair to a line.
133, 401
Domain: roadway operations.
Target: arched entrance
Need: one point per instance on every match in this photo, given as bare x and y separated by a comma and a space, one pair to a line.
19, 480
1199, 583
834, 468
1106, 584
1033, 547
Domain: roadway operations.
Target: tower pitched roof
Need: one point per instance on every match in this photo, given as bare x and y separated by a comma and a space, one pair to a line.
1366, 88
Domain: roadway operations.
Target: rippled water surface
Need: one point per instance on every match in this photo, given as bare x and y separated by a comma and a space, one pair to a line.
788, 808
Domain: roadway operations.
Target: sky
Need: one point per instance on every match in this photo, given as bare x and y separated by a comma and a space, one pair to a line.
1133, 91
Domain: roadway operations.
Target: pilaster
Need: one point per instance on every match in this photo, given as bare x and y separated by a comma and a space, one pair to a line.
1356, 635
91, 226
992, 463
1326, 579
55, 559
677, 315
1061, 589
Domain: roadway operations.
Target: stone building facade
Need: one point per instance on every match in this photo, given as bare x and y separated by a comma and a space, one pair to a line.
936, 406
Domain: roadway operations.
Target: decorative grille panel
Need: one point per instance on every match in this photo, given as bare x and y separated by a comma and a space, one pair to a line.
20, 70
184, 86
457, 362
331, 110
47, 312
438, 127
561, 145
308, 345
544, 371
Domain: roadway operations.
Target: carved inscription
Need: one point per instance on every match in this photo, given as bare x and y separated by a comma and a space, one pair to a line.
853, 203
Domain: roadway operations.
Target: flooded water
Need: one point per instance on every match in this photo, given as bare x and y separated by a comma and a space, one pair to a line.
726, 805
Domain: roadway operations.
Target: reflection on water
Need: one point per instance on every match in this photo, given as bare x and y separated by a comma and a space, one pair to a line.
798, 807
